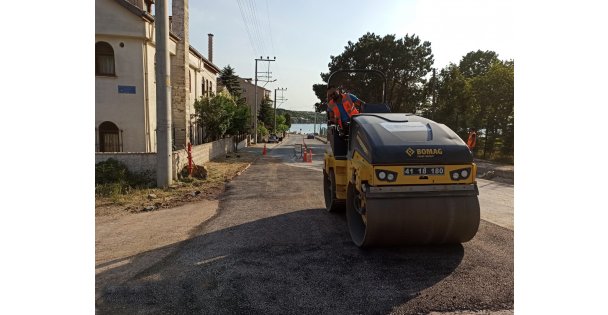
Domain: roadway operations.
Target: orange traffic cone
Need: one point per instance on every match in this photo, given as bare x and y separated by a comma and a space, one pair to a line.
310, 156
264, 151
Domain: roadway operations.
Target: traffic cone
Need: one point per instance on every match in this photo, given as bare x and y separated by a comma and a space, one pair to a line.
310, 156
264, 151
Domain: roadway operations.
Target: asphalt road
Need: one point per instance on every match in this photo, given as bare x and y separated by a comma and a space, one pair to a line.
273, 249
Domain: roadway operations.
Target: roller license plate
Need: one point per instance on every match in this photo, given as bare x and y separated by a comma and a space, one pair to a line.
416, 171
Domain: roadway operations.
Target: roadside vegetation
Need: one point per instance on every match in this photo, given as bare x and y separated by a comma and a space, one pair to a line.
119, 191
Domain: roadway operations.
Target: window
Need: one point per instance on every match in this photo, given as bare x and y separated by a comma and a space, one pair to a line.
190, 80
109, 140
104, 59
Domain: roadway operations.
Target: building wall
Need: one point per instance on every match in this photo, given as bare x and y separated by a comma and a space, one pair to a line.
136, 114
248, 90
124, 110
113, 19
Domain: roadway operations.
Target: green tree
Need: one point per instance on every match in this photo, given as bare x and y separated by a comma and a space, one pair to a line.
281, 124
240, 120
477, 63
266, 113
321, 93
405, 62
230, 80
262, 131
215, 114
455, 104
493, 92
287, 120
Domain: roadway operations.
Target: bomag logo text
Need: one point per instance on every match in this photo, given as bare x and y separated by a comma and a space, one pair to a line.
429, 151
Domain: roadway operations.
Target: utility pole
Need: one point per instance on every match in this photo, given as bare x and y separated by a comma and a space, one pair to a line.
434, 104
314, 130
164, 177
255, 126
275, 104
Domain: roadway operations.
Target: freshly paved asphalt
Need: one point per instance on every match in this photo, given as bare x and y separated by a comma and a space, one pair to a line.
273, 249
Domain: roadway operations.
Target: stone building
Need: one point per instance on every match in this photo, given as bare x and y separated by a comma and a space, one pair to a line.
248, 92
125, 83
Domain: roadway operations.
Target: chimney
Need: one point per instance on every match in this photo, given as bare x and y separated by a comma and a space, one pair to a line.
149, 4
210, 47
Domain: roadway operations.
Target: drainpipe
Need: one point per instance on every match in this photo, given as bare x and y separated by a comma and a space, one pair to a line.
146, 100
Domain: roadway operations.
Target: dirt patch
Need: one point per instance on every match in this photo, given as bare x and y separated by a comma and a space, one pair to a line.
183, 191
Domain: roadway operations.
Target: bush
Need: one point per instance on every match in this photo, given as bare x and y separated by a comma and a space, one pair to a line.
111, 171
262, 131
112, 177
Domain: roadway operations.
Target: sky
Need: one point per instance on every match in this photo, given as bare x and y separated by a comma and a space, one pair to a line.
302, 35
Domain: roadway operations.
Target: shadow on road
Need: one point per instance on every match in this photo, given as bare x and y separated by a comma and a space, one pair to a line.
294, 263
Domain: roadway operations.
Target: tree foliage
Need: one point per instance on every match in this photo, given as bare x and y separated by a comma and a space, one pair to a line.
215, 113
240, 122
477, 63
478, 93
281, 124
494, 97
287, 119
229, 79
266, 113
405, 62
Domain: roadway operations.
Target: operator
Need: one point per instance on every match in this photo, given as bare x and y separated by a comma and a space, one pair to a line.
341, 106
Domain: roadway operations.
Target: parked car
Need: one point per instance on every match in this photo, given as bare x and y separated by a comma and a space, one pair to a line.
310, 136
273, 139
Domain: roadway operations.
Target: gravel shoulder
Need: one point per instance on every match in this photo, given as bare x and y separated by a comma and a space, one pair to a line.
129, 240
140, 240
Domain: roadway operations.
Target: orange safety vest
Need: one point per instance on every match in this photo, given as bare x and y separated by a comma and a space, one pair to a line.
348, 105
472, 140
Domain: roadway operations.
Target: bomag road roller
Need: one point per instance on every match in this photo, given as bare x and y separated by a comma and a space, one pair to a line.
402, 179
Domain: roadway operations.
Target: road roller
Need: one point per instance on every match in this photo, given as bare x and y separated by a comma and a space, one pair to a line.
401, 178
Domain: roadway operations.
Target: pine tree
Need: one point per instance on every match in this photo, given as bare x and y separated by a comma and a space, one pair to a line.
230, 80
266, 113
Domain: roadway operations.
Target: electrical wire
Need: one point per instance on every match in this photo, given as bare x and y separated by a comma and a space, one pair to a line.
270, 28
247, 29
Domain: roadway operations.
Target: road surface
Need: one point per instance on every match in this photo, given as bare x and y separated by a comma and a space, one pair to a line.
273, 249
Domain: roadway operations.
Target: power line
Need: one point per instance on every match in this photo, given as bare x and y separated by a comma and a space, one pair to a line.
256, 24
255, 51
254, 37
270, 28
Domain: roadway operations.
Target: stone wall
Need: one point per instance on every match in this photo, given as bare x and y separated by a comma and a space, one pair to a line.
203, 153
136, 162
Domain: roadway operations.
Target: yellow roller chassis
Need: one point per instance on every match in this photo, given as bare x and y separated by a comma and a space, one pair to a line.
401, 178
415, 209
